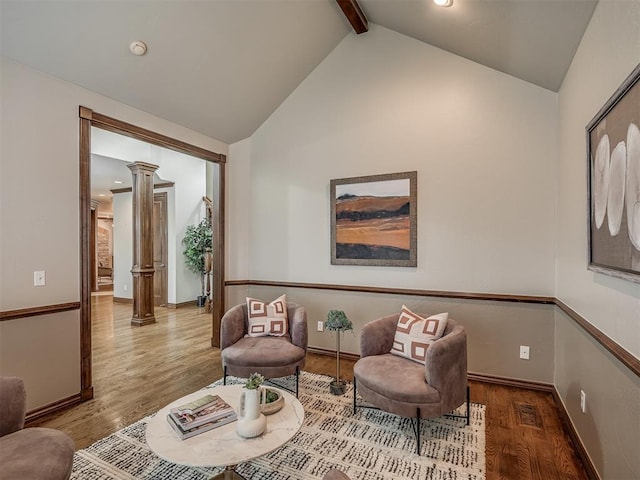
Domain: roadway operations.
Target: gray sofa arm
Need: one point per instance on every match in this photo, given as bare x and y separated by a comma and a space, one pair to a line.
446, 365
298, 325
13, 401
377, 336
233, 325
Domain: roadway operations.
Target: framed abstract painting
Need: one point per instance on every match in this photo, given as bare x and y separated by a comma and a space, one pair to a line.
373, 220
613, 155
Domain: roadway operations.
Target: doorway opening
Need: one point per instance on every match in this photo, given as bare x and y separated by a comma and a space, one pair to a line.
215, 165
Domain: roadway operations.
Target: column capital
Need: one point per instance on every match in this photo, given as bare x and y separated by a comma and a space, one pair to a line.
142, 167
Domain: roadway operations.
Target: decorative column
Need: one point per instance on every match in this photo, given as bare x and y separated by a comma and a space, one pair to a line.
142, 270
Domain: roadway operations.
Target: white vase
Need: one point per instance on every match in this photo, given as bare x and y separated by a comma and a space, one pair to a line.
251, 422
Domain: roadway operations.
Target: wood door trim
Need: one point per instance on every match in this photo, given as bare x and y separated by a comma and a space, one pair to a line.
161, 197
123, 128
89, 118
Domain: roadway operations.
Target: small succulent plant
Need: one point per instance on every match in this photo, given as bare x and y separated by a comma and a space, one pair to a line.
254, 381
337, 321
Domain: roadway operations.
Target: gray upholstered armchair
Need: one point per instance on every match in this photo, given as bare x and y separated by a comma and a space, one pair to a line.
270, 356
29, 453
407, 388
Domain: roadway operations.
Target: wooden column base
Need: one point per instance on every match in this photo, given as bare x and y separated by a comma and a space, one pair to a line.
139, 322
143, 313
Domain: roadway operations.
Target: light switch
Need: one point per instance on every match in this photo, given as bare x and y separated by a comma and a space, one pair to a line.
39, 278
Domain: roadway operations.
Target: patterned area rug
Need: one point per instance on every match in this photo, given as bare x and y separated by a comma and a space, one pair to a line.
370, 445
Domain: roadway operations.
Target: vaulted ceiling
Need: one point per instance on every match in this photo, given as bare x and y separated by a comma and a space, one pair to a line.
221, 67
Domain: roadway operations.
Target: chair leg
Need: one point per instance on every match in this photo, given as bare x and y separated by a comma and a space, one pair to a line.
354, 395
297, 380
468, 405
224, 377
467, 415
418, 431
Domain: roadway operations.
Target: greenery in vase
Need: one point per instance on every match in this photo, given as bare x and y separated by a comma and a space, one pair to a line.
337, 321
254, 381
196, 240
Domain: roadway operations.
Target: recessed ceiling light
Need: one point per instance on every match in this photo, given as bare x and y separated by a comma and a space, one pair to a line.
443, 3
101, 195
118, 182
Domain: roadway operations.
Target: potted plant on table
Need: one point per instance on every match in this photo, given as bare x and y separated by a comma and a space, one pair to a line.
337, 322
197, 240
251, 421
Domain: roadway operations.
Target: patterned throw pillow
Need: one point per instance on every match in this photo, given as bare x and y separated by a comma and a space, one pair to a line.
267, 318
414, 334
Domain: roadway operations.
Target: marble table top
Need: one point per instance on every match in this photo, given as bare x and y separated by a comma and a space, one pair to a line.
222, 446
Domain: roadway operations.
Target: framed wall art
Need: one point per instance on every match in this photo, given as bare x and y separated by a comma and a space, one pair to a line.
613, 154
373, 220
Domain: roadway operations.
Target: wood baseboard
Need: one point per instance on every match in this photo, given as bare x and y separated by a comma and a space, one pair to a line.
55, 407
122, 300
190, 303
332, 353
570, 430
511, 382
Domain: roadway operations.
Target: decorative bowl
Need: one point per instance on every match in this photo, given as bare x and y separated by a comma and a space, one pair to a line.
276, 403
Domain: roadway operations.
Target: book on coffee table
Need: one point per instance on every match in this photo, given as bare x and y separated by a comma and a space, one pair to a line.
184, 434
204, 413
197, 405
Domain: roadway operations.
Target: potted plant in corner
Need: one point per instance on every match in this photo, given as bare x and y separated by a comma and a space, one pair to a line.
337, 322
197, 239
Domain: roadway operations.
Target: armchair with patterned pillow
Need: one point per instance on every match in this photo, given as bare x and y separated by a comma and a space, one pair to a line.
267, 338
412, 365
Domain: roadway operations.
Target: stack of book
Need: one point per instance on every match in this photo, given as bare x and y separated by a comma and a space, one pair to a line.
200, 416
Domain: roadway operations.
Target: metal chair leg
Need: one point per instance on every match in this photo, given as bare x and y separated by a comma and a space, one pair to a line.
224, 378
354, 395
418, 431
297, 379
468, 405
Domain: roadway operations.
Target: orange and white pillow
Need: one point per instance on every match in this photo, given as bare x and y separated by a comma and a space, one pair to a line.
267, 318
414, 334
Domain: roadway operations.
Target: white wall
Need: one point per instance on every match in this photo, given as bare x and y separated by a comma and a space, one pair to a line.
609, 51
238, 202
483, 143
39, 162
122, 245
610, 427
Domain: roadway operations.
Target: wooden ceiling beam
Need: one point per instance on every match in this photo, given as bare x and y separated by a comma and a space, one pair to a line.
355, 15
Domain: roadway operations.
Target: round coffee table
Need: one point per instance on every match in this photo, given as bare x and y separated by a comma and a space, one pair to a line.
222, 446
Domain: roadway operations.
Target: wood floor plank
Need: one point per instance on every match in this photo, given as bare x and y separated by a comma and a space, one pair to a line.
138, 370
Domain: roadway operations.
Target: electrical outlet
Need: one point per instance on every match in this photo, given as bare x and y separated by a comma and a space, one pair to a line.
320, 325
583, 401
39, 279
124, 287
524, 352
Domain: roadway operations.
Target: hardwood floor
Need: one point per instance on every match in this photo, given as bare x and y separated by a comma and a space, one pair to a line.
137, 370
